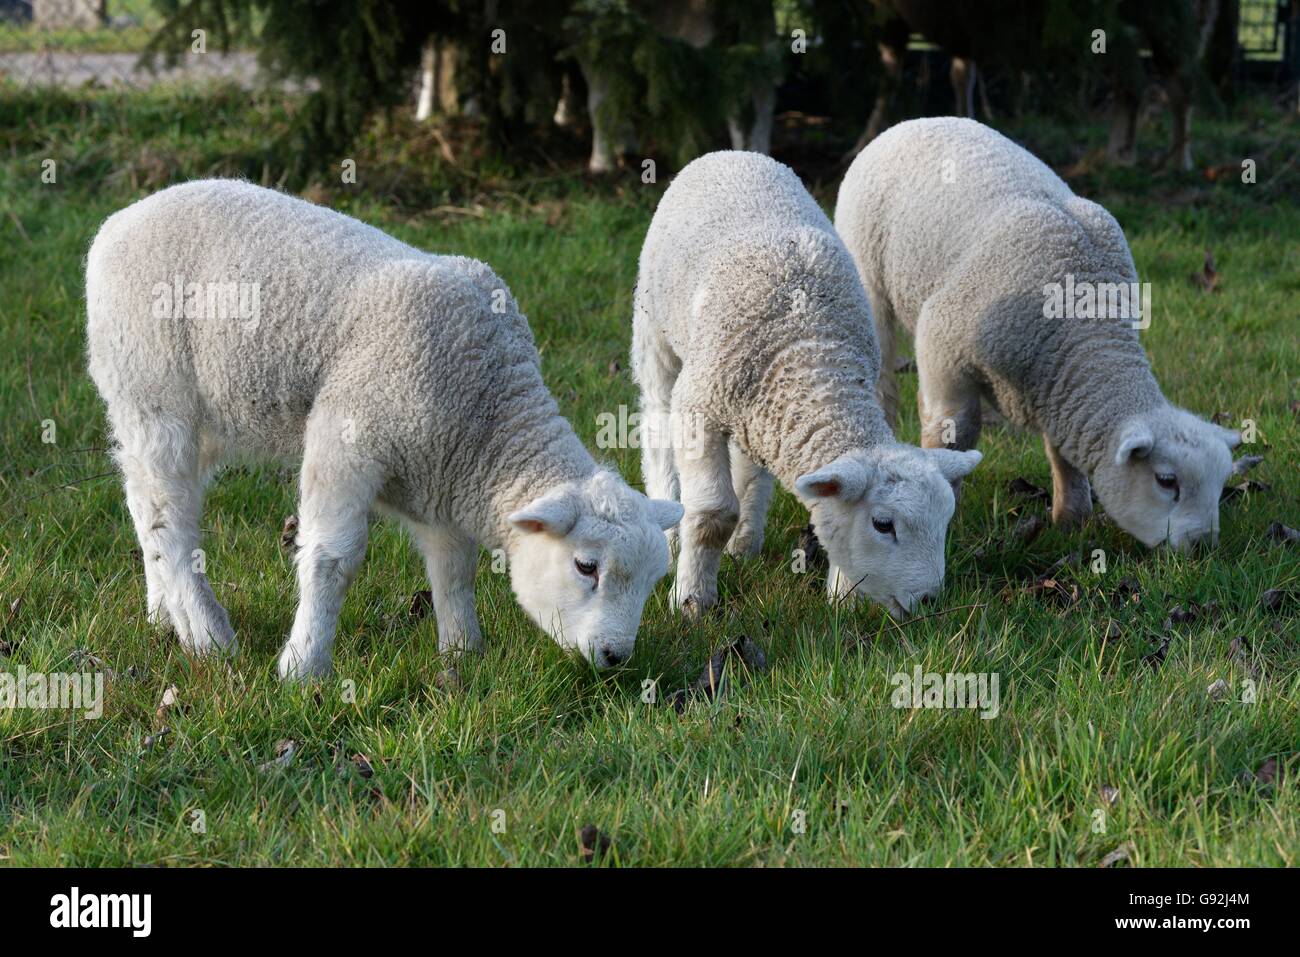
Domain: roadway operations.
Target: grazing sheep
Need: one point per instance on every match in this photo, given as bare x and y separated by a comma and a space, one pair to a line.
972, 243
224, 317
753, 349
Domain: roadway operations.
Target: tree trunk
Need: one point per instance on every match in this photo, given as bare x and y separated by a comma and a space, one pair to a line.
428, 79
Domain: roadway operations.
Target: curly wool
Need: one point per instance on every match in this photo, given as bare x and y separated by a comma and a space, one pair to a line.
957, 232
745, 284
423, 362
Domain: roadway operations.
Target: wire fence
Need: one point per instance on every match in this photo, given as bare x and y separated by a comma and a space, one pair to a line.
99, 43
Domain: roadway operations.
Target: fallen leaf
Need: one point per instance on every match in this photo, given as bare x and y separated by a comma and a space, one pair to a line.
447, 680
1221, 418
812, 548
154, 738
1276, 600
1250, 485
710, 682
169, 700
363, 766
1120, 853
1270, 773
1207, 280
421, 604
1157, 657
1113, 631
1282, 533
1218, 691
615, 368
1027, 489
1245, 464
1127, 592
1052, 590
592, 843
1191, 612
1109, 795
1027, 529
289, 534
285, 749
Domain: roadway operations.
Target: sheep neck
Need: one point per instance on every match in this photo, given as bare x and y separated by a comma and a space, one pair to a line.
1096, 383
532, 459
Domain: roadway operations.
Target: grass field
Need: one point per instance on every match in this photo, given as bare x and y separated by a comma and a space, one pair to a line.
804, 763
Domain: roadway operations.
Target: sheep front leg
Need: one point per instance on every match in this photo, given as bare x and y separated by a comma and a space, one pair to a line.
451, 560
1071, 493
711, 515
332, 532
950, 413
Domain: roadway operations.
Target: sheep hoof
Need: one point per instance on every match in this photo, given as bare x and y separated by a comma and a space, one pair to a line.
745, 545
300, 666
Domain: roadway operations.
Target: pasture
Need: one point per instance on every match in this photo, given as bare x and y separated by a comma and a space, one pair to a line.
1100, 742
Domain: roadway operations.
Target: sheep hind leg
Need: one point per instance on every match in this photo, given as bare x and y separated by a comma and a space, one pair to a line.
451, 561
753, 488
160, 461
337, 492
1071, 493
711, 513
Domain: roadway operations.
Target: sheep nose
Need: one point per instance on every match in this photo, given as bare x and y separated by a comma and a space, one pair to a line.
609, 657
928, 599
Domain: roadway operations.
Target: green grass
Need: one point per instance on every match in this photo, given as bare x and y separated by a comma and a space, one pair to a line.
544, 739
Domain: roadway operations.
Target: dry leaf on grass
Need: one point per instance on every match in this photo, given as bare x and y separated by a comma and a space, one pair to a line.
1231, 492
421, 604
1245, 464
1282, 533
811, 547
170, 699
1207, 280
1121, 853
1027, 489
592, 843
289, 534
1277, 600
155, 738
285, 749
711, 683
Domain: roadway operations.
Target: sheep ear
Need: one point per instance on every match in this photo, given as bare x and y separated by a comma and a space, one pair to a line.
953, 464
1231, 437
1135, 441
846, 479
555, 514
664, 513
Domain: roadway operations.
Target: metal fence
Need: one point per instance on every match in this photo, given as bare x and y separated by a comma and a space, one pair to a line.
98, 43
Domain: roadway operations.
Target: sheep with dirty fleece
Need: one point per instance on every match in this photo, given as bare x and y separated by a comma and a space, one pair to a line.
753, 349
401, 380
967, 240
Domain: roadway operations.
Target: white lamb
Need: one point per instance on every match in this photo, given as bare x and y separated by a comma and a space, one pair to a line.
224, 317
970, 242
753, 348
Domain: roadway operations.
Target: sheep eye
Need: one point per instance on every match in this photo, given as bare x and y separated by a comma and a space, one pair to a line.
883, 525
585, 568
1165, 480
